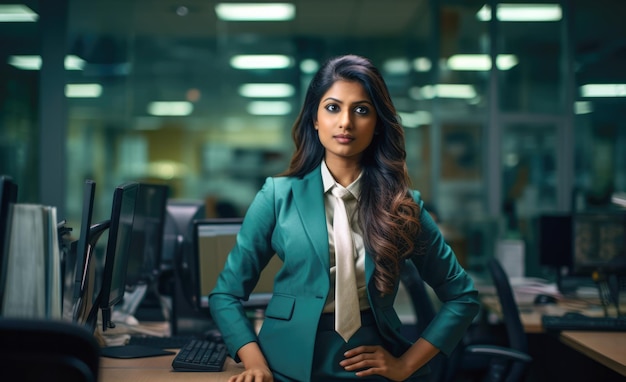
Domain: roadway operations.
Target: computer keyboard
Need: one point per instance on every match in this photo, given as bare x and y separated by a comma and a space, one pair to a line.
200, 355
581, 322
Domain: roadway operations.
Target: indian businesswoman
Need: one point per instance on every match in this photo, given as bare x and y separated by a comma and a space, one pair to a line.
347, 137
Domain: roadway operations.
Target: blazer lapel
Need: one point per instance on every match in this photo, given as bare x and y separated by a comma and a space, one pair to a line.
308, 195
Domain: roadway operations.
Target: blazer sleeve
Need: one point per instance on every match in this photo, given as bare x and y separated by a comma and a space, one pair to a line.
241, 271
440, 269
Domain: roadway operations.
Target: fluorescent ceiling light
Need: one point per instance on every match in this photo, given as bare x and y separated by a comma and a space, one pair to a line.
415, 119
83, 90
522, 12
33, 62
266, 90
74, 63
619, 198
480, 62
309, 66
397, 66
255, 11
443, 91
583, 107
422, 64
17, 13
260, 61
269, 107
603, 90
180, 108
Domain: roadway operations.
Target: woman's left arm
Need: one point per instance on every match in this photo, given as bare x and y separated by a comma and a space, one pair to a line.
440, 269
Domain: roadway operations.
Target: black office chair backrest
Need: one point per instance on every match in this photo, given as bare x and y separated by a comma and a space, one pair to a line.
424, 311
416, 289
511, 316
47, 350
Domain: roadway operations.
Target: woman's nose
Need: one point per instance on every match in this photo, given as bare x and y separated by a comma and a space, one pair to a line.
345, 120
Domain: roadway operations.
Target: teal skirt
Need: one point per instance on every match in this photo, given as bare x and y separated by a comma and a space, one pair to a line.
330, 347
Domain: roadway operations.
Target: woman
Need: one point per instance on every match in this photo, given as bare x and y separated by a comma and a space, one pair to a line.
348, 137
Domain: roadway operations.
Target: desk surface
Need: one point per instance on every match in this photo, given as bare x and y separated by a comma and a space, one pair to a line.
607, 348
530, 314
155, 369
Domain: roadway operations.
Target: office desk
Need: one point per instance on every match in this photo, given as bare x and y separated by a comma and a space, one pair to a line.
156, 369
607, 348
530, 314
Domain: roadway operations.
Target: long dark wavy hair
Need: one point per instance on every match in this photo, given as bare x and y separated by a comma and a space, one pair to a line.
388, 213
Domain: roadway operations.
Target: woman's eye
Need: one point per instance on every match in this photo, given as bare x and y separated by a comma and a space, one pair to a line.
332, 107
361, 110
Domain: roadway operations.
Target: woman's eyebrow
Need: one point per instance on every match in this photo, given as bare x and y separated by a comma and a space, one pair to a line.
339, 101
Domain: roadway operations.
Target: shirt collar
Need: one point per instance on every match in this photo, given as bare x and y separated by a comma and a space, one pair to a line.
328, 182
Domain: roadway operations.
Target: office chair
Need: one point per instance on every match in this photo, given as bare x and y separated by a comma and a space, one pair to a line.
47, 350
424, 310
508, 363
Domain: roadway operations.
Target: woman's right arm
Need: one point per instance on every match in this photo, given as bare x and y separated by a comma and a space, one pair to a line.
243, 266
256, 366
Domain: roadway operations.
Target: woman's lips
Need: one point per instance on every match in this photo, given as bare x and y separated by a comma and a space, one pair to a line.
344, 138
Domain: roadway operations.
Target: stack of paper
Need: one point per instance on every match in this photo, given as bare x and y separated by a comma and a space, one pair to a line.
30, 279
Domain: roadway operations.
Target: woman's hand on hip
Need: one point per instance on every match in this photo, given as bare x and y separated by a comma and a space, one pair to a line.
375, 360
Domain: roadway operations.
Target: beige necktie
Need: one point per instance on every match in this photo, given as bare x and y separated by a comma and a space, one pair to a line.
347, 312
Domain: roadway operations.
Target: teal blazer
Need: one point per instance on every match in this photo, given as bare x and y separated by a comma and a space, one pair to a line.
287, 218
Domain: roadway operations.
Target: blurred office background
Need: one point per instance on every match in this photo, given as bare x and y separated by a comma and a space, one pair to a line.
165, 91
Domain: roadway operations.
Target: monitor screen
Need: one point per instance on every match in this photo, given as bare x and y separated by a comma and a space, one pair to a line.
147, 238
82, 255
178, 235
117, 249
555, 240
213, 241
599, 242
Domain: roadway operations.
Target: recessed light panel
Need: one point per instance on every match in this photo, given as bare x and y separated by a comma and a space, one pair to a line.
83, 90
266, 90
177, 108
17, 13
255, 11
261, 61
522, 12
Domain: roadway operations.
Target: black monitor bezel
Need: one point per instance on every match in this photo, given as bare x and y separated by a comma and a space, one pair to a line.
160, 205
112, 294
555, 240
83, 252
8, 196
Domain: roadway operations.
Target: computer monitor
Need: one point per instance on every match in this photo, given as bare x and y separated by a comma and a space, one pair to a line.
147, 237
178, 246
117, 250
178, 235
83, 252
599, 239
8, 195
555, 240
213, 241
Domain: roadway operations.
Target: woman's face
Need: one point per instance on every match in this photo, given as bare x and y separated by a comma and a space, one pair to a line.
346, 121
